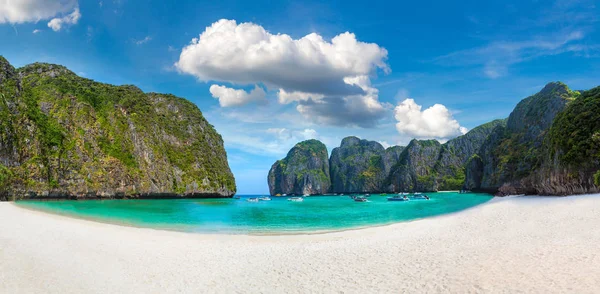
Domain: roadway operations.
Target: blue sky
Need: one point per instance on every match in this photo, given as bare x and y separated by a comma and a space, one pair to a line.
424, 69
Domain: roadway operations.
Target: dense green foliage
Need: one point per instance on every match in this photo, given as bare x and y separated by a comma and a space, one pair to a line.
520, 151
5, 175
305, 169
80, 135
576, 131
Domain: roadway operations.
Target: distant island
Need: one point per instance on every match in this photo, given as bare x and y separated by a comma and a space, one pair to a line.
549, 145
64, 136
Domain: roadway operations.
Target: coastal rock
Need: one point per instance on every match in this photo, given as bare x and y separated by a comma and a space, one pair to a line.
571, 151
305, 170
361, 166
512, 153
63, 136
427, 165
414, 170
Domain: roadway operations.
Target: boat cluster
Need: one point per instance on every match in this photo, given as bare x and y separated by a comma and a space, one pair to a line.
256, 199
357, 198
398, 197
408, 197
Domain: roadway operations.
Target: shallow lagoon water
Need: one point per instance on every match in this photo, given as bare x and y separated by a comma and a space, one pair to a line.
278, 216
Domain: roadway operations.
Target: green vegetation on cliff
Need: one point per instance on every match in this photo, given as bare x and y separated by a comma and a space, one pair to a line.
550, 146
305, 170
576, 131
64, 134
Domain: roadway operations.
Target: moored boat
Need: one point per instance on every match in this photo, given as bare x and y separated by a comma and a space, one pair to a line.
398, 198
420, 196
253, 199
264, 198
296, 199
360, 199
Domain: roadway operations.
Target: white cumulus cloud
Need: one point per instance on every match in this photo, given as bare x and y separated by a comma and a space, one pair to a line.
289, 97
231, 97
248, 54
324, 77
56, 24
21, 11
435, 122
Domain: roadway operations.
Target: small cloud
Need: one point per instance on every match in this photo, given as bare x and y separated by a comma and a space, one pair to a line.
36, 31
284, 134
385, 144
56, 24
81, 73
172, 49
89, 33
100, 3
229, 97
493, 70
435, 122
143, 41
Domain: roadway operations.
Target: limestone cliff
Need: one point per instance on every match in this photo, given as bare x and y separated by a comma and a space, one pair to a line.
361, 166
305, 170
62, 135
512, 153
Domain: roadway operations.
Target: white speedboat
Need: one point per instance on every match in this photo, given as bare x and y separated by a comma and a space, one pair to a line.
361, 199
296, 199
264, 198
420, 196
253, 199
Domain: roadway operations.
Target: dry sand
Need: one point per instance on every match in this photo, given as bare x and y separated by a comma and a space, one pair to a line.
508, 245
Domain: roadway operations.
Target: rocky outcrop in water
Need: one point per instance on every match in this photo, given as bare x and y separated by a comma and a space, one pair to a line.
361, 166
427, 165
549, 146
305, 170
414, 171
64, 136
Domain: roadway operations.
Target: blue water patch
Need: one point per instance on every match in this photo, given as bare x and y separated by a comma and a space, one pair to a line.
239, 216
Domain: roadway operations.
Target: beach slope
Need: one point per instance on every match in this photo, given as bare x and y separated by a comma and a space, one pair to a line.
513, 244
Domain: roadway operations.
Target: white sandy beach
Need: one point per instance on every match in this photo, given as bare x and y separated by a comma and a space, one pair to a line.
509, 245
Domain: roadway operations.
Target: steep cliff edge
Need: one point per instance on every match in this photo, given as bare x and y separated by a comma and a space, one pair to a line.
361, 166
305, 170
66, 136
427, 165
571, 159
516, 158
414, 171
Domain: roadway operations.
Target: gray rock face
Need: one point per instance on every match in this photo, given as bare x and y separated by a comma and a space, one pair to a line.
431, 166
514, 152
415, 168
305, 170
361, 166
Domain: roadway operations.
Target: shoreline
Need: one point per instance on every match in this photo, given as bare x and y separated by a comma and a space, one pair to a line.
508, 244
275, 233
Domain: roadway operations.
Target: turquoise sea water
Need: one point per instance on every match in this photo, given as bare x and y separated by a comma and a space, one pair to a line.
238, 216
